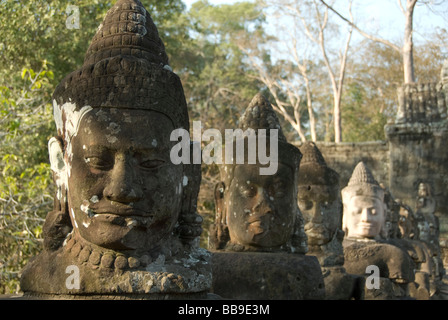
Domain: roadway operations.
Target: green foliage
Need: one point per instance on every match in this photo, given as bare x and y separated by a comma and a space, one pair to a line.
25, 186
361, 121
216, 81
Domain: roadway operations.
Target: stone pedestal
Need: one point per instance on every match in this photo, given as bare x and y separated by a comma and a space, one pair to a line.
269, 276
61, 275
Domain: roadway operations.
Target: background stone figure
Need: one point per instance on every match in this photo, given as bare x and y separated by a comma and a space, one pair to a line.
429, 229
321, 206
320, 203
364, 221
124, 214
401, 232
364, 208
425, 211
258, 240
259, 212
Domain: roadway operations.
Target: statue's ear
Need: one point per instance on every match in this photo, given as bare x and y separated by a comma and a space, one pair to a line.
57, 223
55, 150
219, 202
219, 233
190, 222
59, 168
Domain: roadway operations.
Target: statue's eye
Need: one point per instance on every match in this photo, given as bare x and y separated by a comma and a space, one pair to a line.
278, 193
99, 162
248, 191
151, 164
305, 205
325, 205
277, 190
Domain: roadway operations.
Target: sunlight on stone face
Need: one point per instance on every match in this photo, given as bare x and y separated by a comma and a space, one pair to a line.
120, 179
260, 208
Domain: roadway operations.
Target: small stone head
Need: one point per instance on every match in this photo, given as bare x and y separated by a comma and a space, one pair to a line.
364, 214
424, 190
392, 230
318, 196
406, 222
111, 158
253, 211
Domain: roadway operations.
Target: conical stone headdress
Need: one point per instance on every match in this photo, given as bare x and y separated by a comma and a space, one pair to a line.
314, 169
260, 115
126, 66
362, 182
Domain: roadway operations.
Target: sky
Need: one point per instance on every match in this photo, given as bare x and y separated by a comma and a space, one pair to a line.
385, 16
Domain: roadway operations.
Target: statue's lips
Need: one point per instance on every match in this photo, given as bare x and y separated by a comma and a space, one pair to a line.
313, 226
365, 225
258, 224
315, 229
124, 211
124, 217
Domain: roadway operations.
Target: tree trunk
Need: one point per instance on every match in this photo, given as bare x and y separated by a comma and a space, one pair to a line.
337, 119
408, 59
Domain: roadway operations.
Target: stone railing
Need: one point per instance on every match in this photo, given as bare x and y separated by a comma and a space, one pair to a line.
422, 102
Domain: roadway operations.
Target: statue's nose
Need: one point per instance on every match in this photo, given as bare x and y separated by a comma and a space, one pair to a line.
366, 214
122, 186
264, 204
316, 213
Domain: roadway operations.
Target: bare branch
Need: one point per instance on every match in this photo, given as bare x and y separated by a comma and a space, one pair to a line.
365, 34
401, 7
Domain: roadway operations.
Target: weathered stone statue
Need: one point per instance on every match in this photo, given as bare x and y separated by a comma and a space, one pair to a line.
320, 203
425, 209
399, 214
364, 220
258, 240
124, 223
407, 225
429, 229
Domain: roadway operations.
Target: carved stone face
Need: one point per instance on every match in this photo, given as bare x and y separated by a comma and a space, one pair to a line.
321, 210
260, 209
424, 230
405, 223
364, 216
123, 190
423, 190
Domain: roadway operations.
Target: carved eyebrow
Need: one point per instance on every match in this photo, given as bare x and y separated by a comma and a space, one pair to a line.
151, 149
144, 149
95, 148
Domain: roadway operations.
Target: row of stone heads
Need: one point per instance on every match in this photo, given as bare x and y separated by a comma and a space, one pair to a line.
253, 211
111, 161
125, 214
